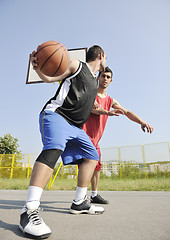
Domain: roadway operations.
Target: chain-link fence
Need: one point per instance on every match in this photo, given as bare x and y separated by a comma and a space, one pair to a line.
140, 161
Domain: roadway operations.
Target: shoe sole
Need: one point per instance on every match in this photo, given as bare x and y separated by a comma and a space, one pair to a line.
86, 212
44, 236
100, 202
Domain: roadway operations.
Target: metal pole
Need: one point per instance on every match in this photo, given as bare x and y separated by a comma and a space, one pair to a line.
51, 183
120, 164
144, 162
28, 170
12, 165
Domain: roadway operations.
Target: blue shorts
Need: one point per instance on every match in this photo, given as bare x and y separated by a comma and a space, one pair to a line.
57, 133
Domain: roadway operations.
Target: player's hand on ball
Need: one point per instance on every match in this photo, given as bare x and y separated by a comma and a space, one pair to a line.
34, 60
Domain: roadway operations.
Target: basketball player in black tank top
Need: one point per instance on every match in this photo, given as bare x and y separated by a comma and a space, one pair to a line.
79, 88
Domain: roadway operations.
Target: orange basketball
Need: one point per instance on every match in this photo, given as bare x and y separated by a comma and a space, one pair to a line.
53, 58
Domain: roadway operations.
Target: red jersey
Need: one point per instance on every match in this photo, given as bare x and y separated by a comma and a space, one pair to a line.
95, 125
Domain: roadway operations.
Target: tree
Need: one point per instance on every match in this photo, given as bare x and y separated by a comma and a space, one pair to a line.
9, 145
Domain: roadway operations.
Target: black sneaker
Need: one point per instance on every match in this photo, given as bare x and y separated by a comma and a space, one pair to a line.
32, 225
99, 199
85, 207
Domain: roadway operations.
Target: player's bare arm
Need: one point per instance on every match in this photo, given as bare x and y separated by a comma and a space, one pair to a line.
72, 68
101, 111
115, 112
133, 117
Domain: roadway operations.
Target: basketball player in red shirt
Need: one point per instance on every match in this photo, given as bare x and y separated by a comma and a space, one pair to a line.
95, 125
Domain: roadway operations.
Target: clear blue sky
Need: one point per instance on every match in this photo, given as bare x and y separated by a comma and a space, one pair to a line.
135, 35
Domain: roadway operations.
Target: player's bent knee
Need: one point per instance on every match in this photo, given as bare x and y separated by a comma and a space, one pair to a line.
49, 157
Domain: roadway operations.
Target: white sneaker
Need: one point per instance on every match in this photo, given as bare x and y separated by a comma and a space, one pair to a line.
32, 225
85, 207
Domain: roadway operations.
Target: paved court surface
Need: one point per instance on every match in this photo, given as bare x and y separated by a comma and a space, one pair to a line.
129, 216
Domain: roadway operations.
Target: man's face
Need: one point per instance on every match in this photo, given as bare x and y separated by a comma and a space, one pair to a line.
105, 79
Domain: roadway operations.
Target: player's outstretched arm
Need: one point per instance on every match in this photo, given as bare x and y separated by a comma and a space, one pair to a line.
133, 117
71, 69
101, 111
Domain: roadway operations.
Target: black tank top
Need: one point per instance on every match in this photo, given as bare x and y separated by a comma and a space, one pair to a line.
75, 96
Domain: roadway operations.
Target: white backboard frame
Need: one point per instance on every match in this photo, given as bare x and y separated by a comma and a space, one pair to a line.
32, 76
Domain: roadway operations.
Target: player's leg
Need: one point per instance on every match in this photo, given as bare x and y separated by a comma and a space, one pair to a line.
83, 179
95, 182
80, 203
95, 197
40, 175
84, 176
43, 167
77, 149
30, 222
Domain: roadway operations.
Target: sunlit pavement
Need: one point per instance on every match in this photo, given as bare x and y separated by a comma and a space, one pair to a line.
130, 215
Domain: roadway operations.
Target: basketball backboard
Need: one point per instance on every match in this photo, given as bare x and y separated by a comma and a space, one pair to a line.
32, 76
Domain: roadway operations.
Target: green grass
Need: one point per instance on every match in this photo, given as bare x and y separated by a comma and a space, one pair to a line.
15, 184
106, 184
135, 185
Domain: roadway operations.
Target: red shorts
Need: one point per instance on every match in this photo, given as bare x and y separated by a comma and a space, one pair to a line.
98, 167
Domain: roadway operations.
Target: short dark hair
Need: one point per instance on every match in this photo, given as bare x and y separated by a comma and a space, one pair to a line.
93, 53
107, 69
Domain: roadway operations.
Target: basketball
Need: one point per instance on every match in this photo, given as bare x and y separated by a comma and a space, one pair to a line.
53, 58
